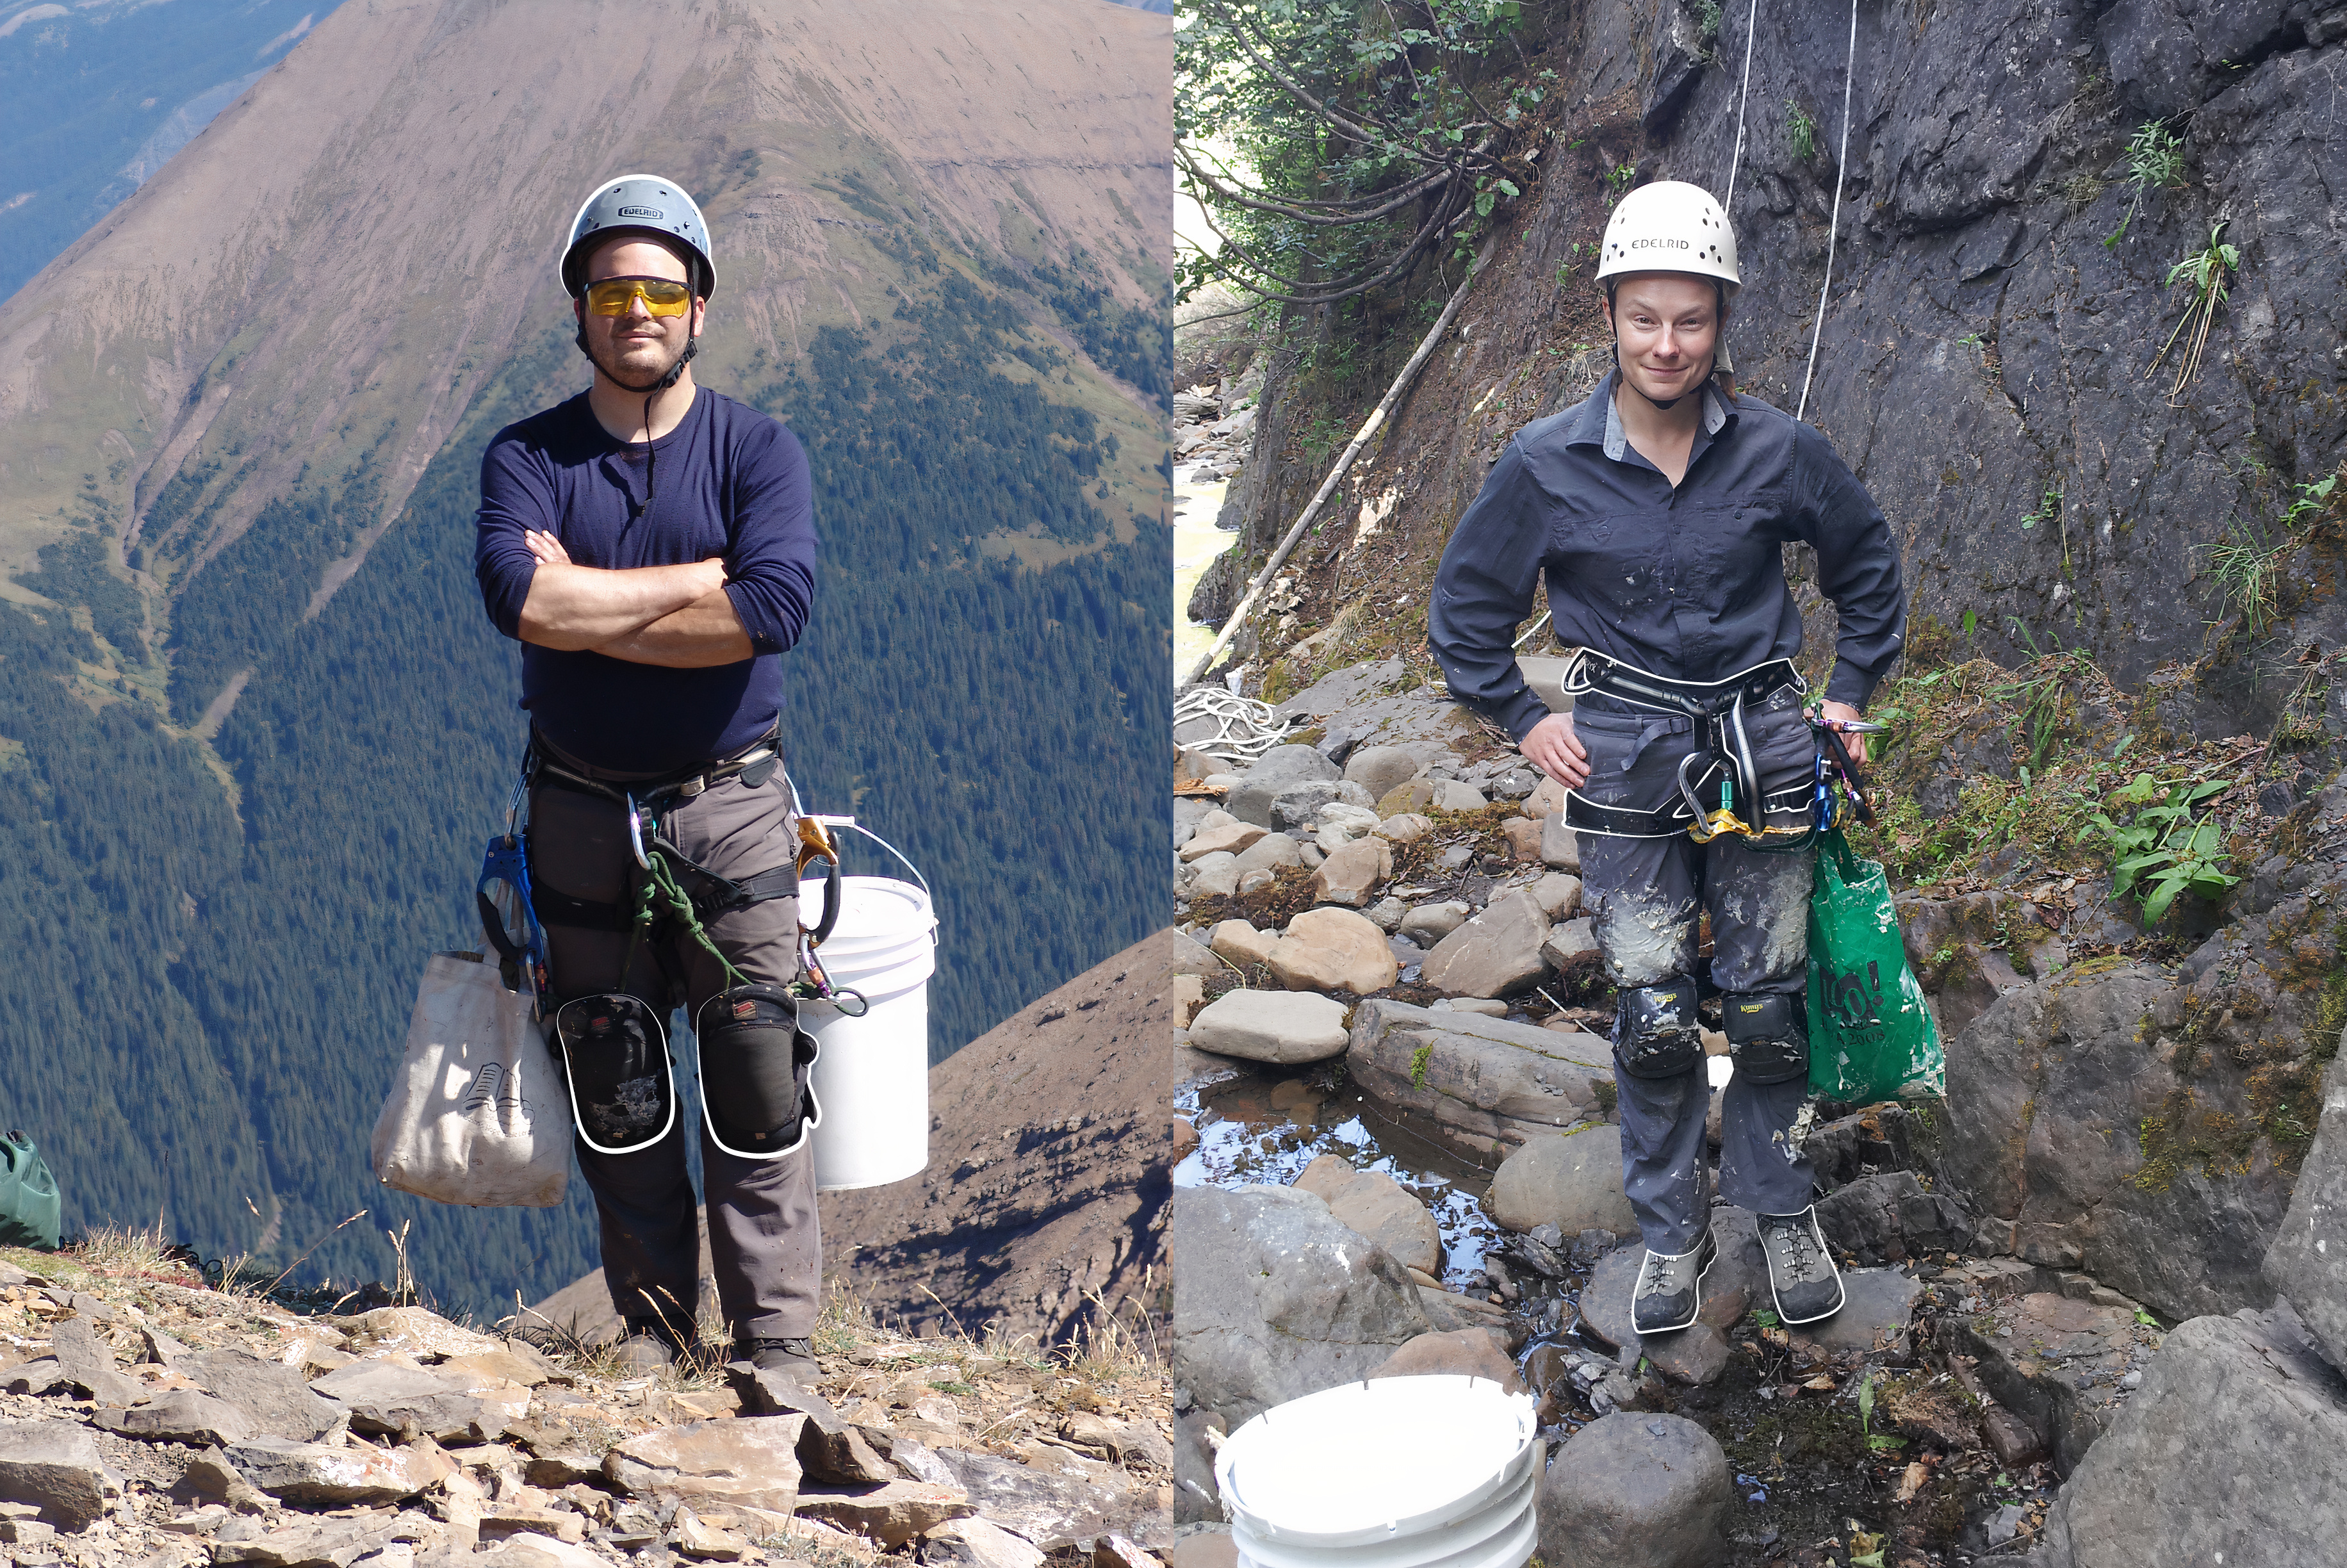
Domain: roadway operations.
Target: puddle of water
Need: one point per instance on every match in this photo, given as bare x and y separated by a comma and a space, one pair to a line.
1196, 543
1804, 1467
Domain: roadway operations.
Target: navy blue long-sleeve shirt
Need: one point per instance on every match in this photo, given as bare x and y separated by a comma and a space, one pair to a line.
727, 481
1686, 583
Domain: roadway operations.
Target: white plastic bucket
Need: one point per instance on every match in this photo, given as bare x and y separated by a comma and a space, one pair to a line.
1439, 1471
872, 1076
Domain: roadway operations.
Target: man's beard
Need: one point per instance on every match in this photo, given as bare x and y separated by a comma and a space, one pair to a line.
603, 357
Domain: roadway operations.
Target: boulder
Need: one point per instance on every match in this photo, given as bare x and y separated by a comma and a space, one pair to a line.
2174, 1199
1274, 1297
1214, 876
1495, 954
1559, 847
1380, 770
892, 1514
1053, 1512
1404, 827
1430, 923
308, 1543
2301, 1264
179, 1416
1636, 1490
529, 1549
1280, 1027
1570, 948
1340, 825
1299, 807
2229, 1452
55, 1466
407, 1402
1573, 1182
979, 1543
1523, 835
1353, 873
749, 1461
1414, 798
313, 1474
2056, 1364
418, 1332
1272, 774
1478, 1086
1878, 1306
1463, 1352
1387, 913
1377, 1206
1269, 852
1241, 944
1228, 840
1558, 895
1889, 1218
87, 1361
1332, 950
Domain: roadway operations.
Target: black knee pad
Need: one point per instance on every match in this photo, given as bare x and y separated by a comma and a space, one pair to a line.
1655, 1031
615, 1058
754, 1060
1767, 1035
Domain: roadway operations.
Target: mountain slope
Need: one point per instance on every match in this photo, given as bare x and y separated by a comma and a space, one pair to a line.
272, 376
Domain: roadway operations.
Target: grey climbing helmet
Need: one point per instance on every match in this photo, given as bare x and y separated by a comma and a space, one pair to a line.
645, 204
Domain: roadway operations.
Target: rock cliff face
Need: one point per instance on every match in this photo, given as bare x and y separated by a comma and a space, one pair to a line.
1986, 360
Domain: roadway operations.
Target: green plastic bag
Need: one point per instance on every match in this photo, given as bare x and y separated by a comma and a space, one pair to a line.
30, 1213
1870, 1035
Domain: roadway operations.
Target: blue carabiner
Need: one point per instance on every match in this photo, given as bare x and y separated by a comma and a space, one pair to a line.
636, 833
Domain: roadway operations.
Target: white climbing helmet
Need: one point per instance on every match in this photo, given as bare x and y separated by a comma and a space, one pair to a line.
1669, 226
638, 204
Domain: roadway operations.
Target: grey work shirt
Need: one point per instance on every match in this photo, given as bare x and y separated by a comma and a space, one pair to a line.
1687, 583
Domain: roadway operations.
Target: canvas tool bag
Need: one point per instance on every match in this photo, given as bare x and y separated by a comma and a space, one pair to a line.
478, 1114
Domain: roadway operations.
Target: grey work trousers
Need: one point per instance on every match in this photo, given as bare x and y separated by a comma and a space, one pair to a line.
1647, 894
766, 1241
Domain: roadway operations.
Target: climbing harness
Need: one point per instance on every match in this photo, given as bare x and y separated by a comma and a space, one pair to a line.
1730, 775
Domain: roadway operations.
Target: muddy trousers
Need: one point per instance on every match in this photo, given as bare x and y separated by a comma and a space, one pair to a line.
1648, 893
765, 1245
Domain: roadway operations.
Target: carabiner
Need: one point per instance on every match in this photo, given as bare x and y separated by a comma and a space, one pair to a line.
635, 832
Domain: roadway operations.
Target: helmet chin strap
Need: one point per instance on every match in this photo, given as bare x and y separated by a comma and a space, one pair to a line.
651, 389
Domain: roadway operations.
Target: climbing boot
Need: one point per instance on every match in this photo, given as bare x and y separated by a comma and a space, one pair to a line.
1669, 1292
645, 1346
793, 1358
1801, 1273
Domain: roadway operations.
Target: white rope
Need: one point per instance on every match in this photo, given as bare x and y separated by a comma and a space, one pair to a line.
1244, 728
1833, 230
1736, 161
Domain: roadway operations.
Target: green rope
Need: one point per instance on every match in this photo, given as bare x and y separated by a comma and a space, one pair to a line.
660, 886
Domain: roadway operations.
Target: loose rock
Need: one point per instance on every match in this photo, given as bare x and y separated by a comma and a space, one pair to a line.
1353, 873
1281, 1026
1377, 1206
1465, 1352
1495, 954
1574, 1182
55, 1466
751, 1460
1636, 1490
1333, 950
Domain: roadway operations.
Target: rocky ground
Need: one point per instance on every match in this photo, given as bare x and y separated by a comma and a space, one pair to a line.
150, 1418
1386, 945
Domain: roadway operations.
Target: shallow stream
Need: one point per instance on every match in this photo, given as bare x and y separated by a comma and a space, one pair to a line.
1820, 1483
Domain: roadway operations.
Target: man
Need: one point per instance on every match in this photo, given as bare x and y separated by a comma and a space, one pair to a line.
1657, 509
652, 544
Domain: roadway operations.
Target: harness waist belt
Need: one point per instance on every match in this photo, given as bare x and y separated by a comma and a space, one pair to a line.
1718, 707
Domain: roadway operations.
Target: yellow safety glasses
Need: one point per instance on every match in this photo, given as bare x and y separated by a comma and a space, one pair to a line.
611, 296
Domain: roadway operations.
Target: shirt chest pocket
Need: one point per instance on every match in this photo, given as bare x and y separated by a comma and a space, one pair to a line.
1617, 563
1728, 556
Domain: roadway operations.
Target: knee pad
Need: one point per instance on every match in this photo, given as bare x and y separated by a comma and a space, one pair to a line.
615, 1060
754, 1059
1655, 1031
1767, 1035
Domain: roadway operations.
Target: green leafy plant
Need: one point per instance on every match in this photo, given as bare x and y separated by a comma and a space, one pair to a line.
2308, 502
2155, 160
1618, 181
1801, 131
1418, 1063
1874, 1439
2049, 507
1706, 21
2160, 852
2204, 273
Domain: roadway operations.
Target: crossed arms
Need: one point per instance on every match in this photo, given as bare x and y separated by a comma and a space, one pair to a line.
676, 616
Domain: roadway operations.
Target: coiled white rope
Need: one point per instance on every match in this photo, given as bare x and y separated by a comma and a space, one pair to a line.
1244, 728
1833, 229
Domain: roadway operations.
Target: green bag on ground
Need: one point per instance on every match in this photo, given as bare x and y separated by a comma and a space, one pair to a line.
29, 1211
1870, 1035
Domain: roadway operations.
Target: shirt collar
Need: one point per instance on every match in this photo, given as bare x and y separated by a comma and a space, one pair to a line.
1601, 423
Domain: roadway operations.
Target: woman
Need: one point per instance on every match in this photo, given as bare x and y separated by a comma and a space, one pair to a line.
1657, 508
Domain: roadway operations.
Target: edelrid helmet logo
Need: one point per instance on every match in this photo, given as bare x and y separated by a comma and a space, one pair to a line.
1662, 244
652, 212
